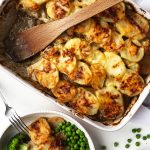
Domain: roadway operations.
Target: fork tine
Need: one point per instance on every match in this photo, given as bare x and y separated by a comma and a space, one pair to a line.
18, 125
23, 124
20, 122
14, 125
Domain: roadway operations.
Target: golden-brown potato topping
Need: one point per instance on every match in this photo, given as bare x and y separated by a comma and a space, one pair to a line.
45, 72
98, 76
29, 4
57, 9
64, 91
40, 131
99, 32
128, 29
132, 52
82, 74
131, 83
115, 44
54, 121
52, 54
80, 47
67, 62
85, 102
114, 13
114, 65
110, 103
96, 57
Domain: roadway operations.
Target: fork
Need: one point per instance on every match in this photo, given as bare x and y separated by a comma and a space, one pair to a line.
14, 118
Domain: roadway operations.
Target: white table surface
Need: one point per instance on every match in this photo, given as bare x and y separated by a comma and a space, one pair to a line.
26, 101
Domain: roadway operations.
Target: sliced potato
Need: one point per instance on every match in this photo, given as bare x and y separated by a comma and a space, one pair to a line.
85, 102
29, 4
141, 22
132, 65
116, 43
131, 83
111, 103
39, 2
80, 47
126, 28
82, 74
114, 65
99, 33
40, 131
114, 13
55, 121
58, 9
83, 27
98, 76
64, 91
67, 62
131, 52
96, 57
110, 82
45, 72
52, 54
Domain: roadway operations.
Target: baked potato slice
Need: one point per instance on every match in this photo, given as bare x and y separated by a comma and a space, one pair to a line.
64, 91
85, 102
131, 83
110, 103
44, 72
114, 65
82, 74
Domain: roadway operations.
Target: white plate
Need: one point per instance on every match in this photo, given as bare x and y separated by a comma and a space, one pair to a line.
28, 119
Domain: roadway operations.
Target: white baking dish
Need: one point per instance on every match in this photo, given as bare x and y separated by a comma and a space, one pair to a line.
128, 115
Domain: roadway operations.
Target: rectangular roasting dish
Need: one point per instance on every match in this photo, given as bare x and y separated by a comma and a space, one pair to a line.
17, 72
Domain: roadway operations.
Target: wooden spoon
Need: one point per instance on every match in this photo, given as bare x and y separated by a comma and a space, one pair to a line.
33, 40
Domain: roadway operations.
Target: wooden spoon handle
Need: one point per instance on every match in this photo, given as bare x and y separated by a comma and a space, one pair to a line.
87, 12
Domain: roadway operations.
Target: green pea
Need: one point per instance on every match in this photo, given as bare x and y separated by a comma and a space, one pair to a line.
71, 138
138, 130
63, 127
74, 142
84, 139
74, 133
82, 144
69, 133
133, 130
129, 140
76, 146
73, 126
144, 138
103, 147
78, 131
127, 146
137, 144
116, 144
138, 136
75, 137
148, 136
68, 123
